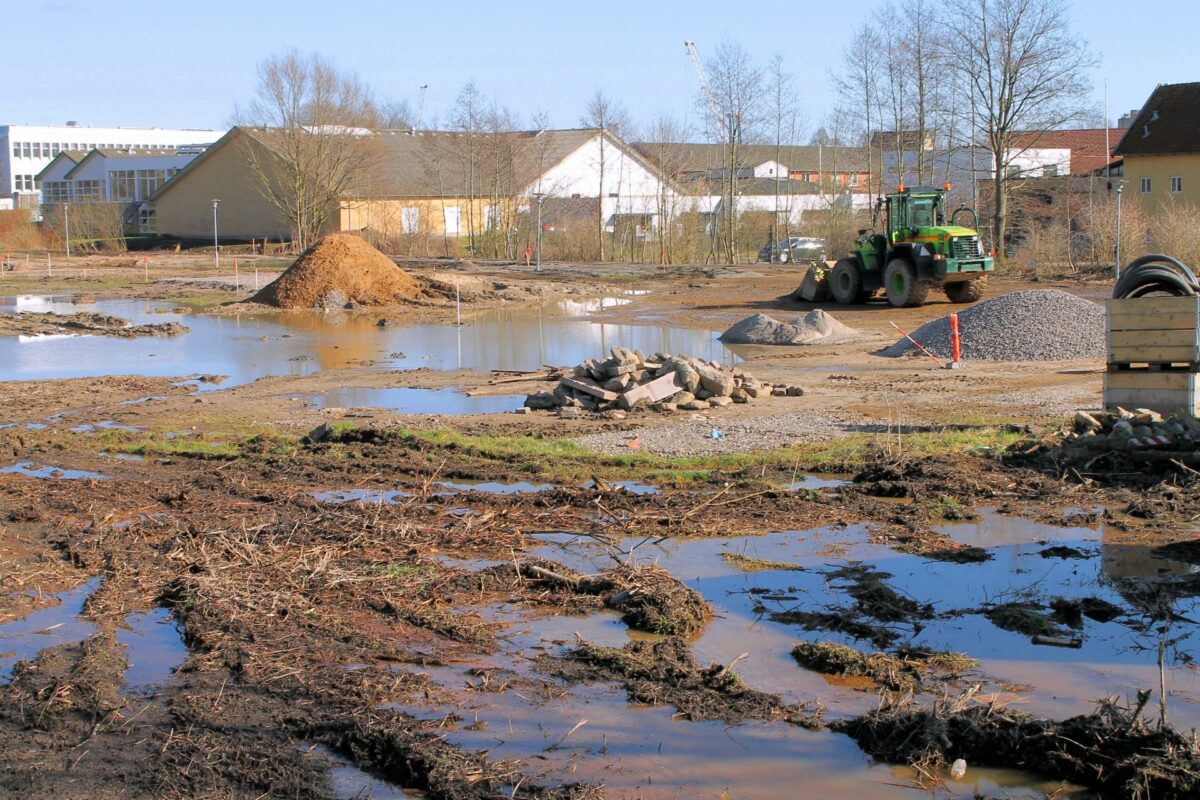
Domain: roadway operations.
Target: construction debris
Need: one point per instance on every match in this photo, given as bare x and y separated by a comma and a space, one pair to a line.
627, 379
1140, 429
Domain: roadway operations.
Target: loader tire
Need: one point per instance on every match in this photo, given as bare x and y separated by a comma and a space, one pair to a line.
846, 282
903, 288
964, 291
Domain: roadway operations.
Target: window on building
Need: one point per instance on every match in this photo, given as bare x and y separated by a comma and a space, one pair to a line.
122, 185
16, 149
147, 220
410, 219
56, 192
26, 150
1176, 184
1050, 171
46, 149
37, 150
453, 220
89, 191
854, 179
1145, 186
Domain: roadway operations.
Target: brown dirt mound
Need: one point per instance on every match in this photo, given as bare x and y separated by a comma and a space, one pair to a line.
337, 270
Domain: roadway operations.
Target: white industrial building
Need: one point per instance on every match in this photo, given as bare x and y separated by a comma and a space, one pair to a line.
26, 150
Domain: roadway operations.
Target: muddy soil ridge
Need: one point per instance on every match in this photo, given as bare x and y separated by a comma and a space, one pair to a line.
82, 324
338, 270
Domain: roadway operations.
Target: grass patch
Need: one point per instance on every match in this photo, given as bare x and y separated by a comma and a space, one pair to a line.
751, 564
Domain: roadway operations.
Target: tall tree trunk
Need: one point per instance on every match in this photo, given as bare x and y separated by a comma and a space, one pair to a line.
1000, 200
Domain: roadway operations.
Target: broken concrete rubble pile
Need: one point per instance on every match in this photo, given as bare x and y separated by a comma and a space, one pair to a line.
1137, 429
629, 380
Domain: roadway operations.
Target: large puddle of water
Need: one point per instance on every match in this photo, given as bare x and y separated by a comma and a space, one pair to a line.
592, 733
248, 347
1114, 657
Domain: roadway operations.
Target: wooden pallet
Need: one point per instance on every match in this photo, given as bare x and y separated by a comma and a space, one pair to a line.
1153, 354
1154, 330
1167, 391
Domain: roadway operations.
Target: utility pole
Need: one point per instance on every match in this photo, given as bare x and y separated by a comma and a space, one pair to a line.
216, 240
1117, 265
538, 236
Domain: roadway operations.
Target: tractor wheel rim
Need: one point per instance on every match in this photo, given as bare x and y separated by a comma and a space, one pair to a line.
898, 283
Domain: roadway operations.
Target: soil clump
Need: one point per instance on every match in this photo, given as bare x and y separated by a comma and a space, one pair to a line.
895, 673
83, 323
1110, 750
666, 673
339, 270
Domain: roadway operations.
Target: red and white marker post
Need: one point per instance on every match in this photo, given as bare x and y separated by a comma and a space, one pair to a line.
955, 344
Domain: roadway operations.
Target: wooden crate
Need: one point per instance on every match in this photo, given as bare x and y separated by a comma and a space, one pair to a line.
1154, 330
1164, 391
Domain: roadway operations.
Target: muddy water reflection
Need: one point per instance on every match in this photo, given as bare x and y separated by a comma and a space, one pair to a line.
248, 347
645, 751
1117, 656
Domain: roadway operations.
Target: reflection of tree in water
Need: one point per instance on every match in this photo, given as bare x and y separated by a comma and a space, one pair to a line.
1163, 594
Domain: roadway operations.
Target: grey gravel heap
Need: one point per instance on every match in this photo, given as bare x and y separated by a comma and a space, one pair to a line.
1037, 325
662, 382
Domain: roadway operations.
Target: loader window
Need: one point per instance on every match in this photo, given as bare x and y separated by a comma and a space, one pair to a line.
921, 213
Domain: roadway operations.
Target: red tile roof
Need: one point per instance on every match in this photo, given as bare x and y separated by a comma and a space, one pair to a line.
1086, 145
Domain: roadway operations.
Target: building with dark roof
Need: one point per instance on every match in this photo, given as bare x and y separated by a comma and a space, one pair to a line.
1161, 148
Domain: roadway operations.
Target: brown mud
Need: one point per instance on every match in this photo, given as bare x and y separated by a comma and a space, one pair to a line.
48, 323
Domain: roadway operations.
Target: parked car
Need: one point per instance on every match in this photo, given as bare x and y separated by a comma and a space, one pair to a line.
795, 248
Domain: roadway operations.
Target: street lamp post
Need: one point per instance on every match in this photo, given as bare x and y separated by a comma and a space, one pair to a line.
67, 226
539, 196
1117, 249
216, 241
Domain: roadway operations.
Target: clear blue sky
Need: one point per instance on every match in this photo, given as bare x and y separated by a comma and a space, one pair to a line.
186, 64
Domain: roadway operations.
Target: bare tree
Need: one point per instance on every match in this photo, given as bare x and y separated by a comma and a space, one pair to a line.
858, 84
608, 116
469, 118
1025, 68
314, 123
664, 134
785, 123
398, 115
739, 96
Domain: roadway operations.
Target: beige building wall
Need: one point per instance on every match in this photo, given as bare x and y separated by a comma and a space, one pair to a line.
404, 216
1160, 170
185, 209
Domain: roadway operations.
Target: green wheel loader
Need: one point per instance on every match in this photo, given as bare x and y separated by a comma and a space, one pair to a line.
918, 250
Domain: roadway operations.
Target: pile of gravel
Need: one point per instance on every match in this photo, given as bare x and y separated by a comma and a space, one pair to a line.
815, 327
1038, 325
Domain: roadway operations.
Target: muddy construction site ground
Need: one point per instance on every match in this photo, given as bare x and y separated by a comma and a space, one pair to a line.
846, 590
